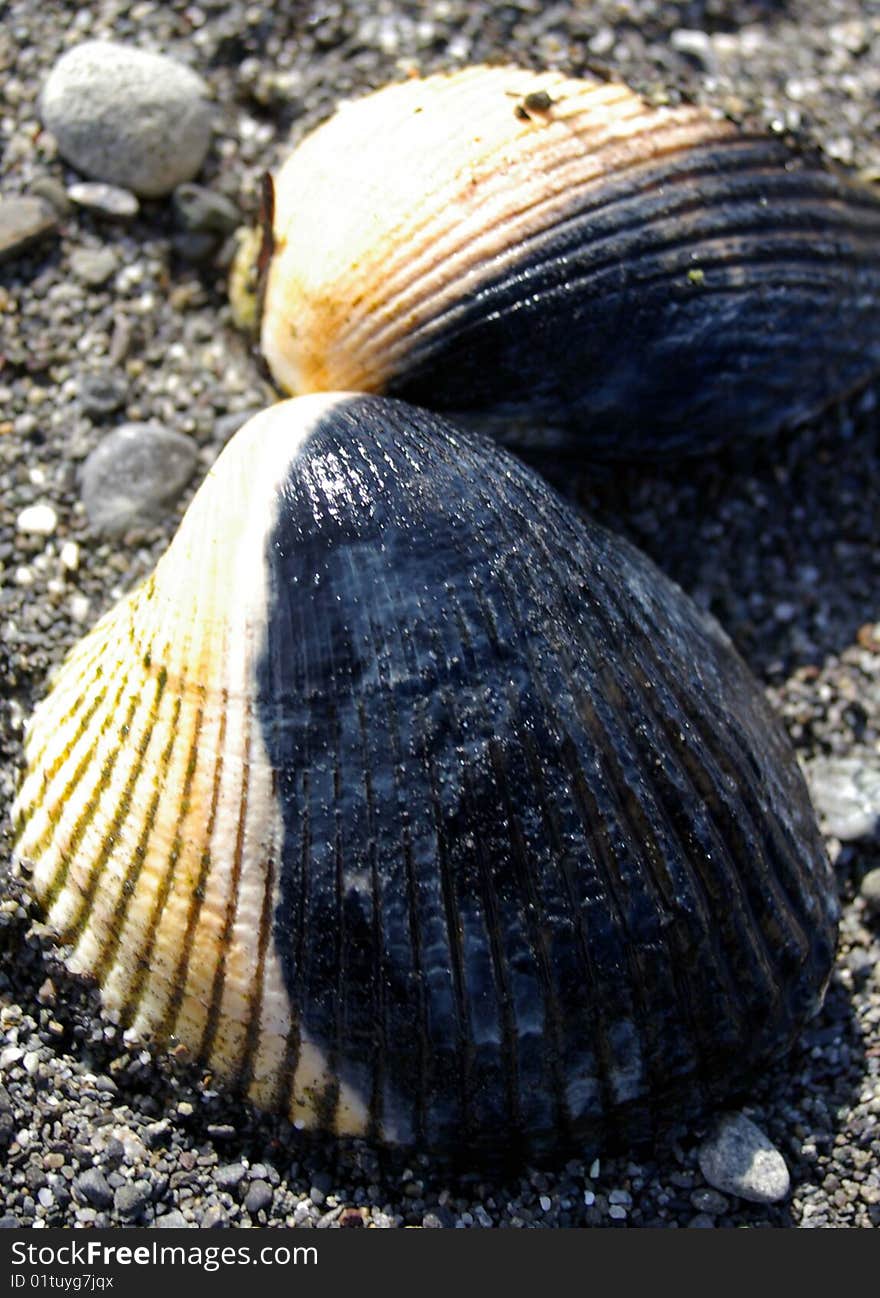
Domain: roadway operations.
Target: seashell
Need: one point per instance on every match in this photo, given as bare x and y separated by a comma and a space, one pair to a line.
419, 808
528, 250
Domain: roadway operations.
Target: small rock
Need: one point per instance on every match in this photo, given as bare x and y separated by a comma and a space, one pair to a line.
258, 1197
846, 793
870, 891
10, 1223
220, 1131
172, 1220
23, 222
101, 395
93, 266
228, 1177
133, 475
155, 1133
53, 192
204, 211
131, 1199
91, 1186
737, 1158
128, 116
107, 200
710, 1202
37, 520
194, 247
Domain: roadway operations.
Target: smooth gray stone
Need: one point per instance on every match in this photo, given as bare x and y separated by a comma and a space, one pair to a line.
737, 1158
127, 116
133, 475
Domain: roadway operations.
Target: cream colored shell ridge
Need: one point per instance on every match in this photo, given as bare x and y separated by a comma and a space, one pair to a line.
148, 811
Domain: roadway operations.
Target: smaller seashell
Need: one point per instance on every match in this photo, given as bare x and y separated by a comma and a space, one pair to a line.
561, 261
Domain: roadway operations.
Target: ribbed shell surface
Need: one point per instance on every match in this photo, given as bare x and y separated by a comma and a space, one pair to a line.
420, 808
558, 258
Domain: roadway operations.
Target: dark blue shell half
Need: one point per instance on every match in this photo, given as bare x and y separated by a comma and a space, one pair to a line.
549, 868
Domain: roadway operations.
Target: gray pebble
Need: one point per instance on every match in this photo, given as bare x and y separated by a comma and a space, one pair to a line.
846, 793
107, 200
737, 1158
215, 1218
131, 1198
133, 475
128, 116
228, 1177
258, 1197
197, 248
204, 211
53, 192
91, 1185
870, 890
93, 266
9, 1223
709, 1201
23, 222
172, 1220
101, 395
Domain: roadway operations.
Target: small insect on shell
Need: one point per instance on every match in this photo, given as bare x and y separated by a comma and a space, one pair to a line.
557, 258
420, 809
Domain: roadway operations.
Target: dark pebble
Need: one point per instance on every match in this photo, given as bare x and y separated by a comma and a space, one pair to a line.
101, 395
204, 211
92, 1187
259, 1197
197, 248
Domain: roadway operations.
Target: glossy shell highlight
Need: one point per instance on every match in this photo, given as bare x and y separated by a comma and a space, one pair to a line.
562, 262
420, 808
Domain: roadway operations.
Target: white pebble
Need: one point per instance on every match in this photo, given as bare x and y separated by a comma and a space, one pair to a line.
39, 520
617, 1212
589, 1198
70, 556
545, 1202
594, 1169
79, 607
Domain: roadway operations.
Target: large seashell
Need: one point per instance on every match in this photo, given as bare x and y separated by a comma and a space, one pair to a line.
421, 809
528, 249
